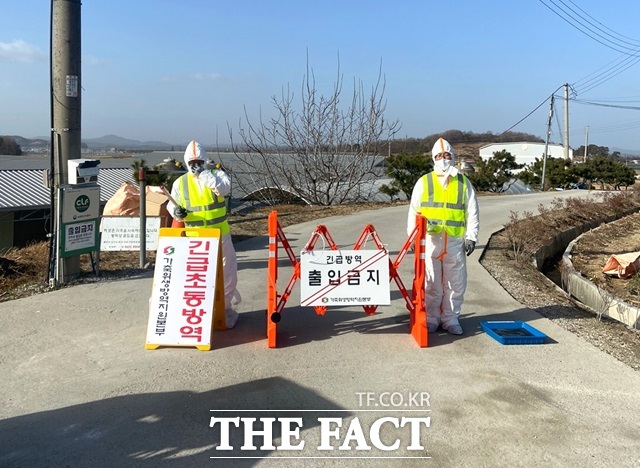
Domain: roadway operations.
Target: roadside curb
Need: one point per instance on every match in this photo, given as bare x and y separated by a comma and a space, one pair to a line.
599, 300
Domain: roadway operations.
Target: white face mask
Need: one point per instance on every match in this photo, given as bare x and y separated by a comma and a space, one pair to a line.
196, 168
441, 165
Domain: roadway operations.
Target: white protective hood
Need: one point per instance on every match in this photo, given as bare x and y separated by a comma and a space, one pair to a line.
442, 146
194, 152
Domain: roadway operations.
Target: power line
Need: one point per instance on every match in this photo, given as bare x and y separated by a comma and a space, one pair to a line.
631, 52
609, 128
604, 79
614, 128
635, 43
590, 33
605, 105
610, 67
617, 99
617, 34
529, 114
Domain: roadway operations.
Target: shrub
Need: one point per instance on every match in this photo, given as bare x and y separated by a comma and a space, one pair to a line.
527, 233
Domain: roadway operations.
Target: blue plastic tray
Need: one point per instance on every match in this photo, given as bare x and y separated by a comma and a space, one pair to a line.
513, 332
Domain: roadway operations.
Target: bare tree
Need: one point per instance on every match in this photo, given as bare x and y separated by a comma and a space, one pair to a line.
323, 153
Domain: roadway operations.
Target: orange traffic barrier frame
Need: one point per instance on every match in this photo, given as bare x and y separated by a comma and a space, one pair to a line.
414, 301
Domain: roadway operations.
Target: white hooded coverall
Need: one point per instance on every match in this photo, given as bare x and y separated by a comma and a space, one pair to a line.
445, 260
218, 181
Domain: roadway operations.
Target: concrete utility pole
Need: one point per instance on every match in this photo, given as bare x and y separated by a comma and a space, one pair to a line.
586, 142
546, 144
66, 90
566, 121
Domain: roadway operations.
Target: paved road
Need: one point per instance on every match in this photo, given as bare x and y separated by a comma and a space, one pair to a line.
79, 389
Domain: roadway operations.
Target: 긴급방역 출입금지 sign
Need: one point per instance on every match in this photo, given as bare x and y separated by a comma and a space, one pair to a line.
344, 277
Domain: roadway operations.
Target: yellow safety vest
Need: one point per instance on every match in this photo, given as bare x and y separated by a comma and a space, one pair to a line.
206, 209
444, 208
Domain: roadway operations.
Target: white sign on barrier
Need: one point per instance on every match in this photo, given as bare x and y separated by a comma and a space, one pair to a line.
344, 277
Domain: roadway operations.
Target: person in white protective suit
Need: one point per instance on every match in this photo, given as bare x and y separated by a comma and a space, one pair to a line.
447, 199
201, 196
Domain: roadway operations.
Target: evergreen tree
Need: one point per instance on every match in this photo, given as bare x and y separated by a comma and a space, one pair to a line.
492, 174
405, 169
9, 146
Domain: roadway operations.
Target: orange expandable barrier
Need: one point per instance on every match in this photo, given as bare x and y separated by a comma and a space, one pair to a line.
414, 301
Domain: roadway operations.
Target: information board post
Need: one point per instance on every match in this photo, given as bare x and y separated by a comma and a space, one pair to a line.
142, 176
78, 233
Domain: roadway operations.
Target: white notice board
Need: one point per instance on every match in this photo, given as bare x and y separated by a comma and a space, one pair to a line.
182, 299
344, 277
122, 233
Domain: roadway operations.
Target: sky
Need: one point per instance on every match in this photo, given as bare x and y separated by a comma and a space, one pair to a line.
177, 70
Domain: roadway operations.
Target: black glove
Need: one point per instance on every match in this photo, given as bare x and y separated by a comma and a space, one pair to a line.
469, 246
180, 212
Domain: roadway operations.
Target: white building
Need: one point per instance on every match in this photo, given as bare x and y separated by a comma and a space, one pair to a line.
524, 152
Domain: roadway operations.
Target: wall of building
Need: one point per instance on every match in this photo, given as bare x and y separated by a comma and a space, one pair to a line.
32, 229
6, 230
524, 152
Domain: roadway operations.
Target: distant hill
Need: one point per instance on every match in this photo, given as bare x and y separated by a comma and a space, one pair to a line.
114, 141
39, 142
464, 143
625, 152
105, 142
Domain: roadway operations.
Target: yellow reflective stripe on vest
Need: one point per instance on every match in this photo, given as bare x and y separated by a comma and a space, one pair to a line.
430, 203
205, 209
212, 206
445, 209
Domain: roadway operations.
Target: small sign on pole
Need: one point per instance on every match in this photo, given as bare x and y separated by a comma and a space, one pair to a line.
187, 298
344, 277
79, 219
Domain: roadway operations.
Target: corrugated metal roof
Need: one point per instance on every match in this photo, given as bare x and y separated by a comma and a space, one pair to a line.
43, 162
24, 188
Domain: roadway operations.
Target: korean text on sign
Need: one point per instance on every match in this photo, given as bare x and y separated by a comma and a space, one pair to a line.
344, 277
181, 309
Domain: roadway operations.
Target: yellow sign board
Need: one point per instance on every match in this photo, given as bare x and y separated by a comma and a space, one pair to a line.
187, 299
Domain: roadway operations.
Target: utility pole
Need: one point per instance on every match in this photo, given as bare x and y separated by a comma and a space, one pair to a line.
586, 142
66, 117
566, 121
546, 144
